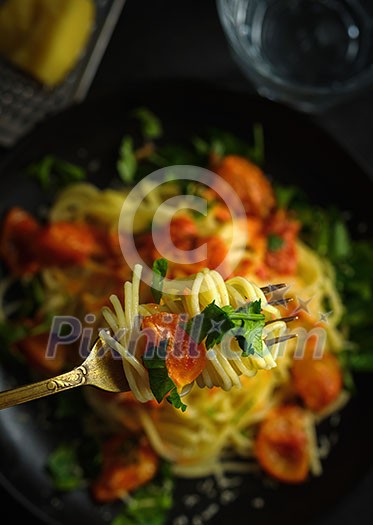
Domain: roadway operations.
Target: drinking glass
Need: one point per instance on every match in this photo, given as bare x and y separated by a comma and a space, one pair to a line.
310, 54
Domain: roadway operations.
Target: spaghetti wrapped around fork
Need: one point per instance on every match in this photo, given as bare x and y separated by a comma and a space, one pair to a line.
216, 361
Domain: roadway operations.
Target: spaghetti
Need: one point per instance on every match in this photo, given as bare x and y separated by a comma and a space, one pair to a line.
239, 404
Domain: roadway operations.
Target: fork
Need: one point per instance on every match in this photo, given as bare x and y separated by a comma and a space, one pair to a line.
100, 369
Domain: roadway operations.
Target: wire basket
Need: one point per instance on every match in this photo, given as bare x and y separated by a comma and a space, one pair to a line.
24, 101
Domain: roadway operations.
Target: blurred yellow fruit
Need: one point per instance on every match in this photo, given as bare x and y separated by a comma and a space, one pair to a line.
45, 37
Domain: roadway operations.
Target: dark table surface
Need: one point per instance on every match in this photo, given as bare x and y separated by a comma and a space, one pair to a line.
183, 39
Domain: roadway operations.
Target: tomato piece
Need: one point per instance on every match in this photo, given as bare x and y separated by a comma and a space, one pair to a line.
281, 445
179, 235
17, 243
282, 259
185, 360
34, 348
249, 182
67, 243
125, 468
183, 231
217, 251
317, 381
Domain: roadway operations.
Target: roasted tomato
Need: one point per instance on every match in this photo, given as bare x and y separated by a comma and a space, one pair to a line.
126, 466
249, 182
26, 245
317, 381
185, 360
281, 445
34, 349
281, 254
67, 243
17, 243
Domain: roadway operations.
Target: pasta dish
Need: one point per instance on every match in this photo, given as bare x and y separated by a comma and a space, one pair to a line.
255, 397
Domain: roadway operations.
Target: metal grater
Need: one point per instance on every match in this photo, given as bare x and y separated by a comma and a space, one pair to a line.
24, 101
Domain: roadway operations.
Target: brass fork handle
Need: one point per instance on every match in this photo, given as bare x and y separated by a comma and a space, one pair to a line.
47, 387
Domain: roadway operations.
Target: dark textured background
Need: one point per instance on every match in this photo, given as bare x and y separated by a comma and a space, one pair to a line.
183, 38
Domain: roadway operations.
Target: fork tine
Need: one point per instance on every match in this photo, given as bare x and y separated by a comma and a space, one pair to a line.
281, 339
273, 287
281, 302
284, 319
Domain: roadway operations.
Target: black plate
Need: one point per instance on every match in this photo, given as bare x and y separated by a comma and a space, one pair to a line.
297, 151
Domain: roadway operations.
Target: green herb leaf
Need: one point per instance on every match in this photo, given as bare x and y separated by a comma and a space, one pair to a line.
274, 242
175, 400
159, 273
52, 172
151, 124
127, 163
257, 152
249, 328
160, 382
245, 324
211, 324
149, 505
340, 241
250, 341
64, 467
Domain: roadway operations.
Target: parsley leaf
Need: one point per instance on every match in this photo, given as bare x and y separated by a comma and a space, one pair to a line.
160, 382
159, 273
245, 324
149, 505
127, 162
64, 467
249, 324
175, 400
151, 125
274, 242
220, 143
52, 172
211, 324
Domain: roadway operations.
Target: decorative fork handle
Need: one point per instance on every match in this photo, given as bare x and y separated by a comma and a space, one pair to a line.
47, 387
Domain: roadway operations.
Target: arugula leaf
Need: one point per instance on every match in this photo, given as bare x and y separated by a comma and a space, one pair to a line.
151, 124
160, 382
51, 171
127, 162
159, 273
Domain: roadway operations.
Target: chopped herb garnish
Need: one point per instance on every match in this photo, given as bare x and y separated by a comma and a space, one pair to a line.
245, 324
149, 505
64, 468
159, 273
160, 382
52, 172
151, 126
274, 242
127, 162
220, 143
